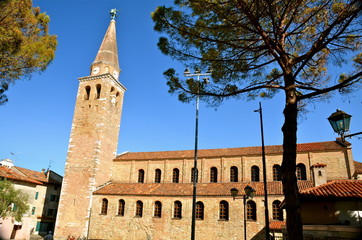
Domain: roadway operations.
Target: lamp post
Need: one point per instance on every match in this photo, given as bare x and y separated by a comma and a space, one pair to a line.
340, 122
197, 73
267, 230
249, 193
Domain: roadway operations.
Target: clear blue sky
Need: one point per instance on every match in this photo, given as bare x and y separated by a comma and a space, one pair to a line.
35, 123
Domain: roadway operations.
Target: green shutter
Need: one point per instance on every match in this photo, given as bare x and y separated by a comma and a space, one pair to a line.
37, 226
36, 195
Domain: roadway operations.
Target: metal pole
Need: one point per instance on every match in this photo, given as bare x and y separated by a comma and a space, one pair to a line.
351, 135
267, 230
195, 172
244, 217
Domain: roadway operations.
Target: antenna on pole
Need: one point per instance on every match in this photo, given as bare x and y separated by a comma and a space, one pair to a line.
50, 164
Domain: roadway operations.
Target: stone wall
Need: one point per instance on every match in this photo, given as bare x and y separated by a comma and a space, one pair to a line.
127, 170
112, 226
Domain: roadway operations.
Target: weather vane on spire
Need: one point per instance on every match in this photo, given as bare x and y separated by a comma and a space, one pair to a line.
113, 13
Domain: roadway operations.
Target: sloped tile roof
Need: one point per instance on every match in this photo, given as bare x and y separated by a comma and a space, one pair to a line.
38, 176
185, 189
358, 167
9, 173
227, 152
335, 189
276, 225
319, 165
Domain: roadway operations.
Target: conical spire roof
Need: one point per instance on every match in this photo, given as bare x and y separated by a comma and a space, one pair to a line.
108, 54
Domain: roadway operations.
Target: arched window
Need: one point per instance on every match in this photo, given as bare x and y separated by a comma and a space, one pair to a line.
224, 210
277, 173
121, 206
98, 88
175, 175
301, 173
233, 174
158, 209
141, 176
193, 172
277, 211
112, 89
255, 177
177, 211
251, 210
199, 211
213, 174
139, 209
320, 173
104, 206
157, 176
87, 92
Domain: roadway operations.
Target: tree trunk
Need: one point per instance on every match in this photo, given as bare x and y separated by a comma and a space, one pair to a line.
289, 179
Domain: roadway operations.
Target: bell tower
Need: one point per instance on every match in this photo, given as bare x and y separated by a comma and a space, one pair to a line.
93, 139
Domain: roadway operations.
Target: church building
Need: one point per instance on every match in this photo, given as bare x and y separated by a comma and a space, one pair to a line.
148, 195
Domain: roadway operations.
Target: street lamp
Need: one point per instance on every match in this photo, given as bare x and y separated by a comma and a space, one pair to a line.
340, 122
249, 193
267, 229
197, 73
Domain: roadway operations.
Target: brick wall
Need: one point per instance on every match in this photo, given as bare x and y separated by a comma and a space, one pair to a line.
111, 226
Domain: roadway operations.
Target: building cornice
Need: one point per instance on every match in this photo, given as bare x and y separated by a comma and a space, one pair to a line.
102, 76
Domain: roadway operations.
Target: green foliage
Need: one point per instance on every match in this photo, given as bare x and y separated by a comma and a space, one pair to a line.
13, 203
25, 45
243, 40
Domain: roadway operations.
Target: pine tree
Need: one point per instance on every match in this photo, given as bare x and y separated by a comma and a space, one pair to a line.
260, 48
25, 44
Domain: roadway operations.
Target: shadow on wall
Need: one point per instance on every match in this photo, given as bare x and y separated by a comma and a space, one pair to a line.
259, 236
275, 234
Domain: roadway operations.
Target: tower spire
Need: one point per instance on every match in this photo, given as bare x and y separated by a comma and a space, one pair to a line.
106, 60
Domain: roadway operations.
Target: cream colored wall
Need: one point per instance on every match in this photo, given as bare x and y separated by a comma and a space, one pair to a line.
350, 211
31, 190
332, 212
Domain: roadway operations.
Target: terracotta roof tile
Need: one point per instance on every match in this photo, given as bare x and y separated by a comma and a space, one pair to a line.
38, 176
185, 189
11, 174
318, 165
276, 225
335, 189
226, 152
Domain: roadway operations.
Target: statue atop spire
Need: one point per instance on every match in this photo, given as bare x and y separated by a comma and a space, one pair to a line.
113, 13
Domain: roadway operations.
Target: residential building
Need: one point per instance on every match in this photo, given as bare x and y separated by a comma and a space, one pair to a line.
43, 189
332, 210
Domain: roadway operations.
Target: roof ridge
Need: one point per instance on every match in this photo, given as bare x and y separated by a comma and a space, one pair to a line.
11, 174
274, 145
351, 188
218, 152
